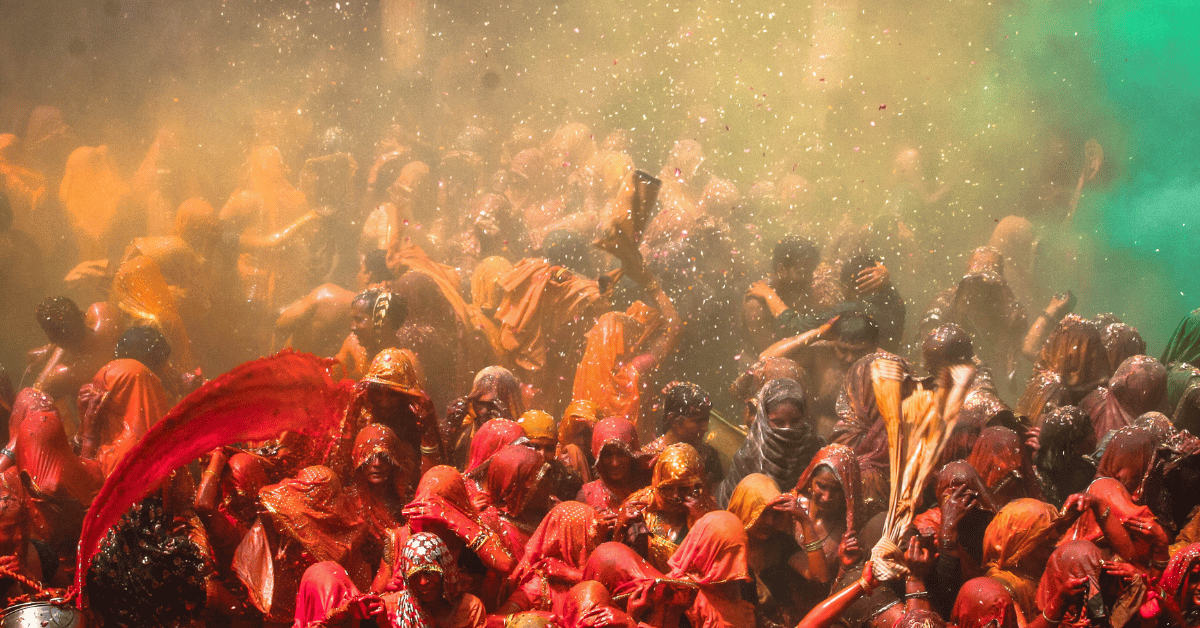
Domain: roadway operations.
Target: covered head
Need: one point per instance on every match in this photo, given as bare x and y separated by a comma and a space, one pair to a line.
1075, 559
983, 603
685, 404
496, 394
397, 369
714, 551
1181, 581
1000, 459
324, 587
376, 314
614, 446
542, 431
946, 345
832, 482
490, 439
781, 442
750, 501
1185, 342
513, 478
378, 457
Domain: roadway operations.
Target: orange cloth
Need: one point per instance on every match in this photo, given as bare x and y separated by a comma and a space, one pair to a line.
91, 190
1020, 528
606, 376
485, 287
141, 291
125, 399
539, 302
266, 176
312, 509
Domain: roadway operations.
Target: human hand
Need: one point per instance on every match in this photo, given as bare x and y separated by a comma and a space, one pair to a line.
370, 606
872, 280
955, 505
1147, 528
1060, 305
848, 550
630, 512
762, 290
1075, 588
1121, 569
918, 558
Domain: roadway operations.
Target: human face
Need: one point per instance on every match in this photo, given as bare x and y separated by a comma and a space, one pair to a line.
427, 586
848, 353
379, 470
363, 328
614, 464
546, 446
675, 496
785, 414
691, 428
1193, 586
827, 493
792, 277
767, 523
487, 407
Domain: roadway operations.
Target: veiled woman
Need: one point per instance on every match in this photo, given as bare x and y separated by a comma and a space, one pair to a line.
614, 446
554, 559
1138, 386
999, 458
861, 427
379, 485
117, 408
1180, 585
495, 394
830, 491
1062, 462
518, 487
1016, 546
782, 439
638, 588
656, 519
1071, 364
430, 595
714, 557
328, 599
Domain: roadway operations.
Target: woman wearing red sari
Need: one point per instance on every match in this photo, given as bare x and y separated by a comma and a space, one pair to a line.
518, 486
328, 599
999, 458
1180, 585
554, 559
120, 405
714, 556
614, 445
589, 605
378, 487
829, 491
638, 588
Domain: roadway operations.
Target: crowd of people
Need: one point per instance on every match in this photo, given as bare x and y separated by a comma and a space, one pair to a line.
564, 393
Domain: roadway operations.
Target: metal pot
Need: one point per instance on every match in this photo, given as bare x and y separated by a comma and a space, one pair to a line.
41, 615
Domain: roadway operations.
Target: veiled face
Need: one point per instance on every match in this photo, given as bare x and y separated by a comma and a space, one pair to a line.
785, 414
378, 470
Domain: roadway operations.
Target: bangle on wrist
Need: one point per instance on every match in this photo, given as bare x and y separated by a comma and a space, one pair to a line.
916, 594
866, 586
815, 546
5, 451
1053, 622
479, 539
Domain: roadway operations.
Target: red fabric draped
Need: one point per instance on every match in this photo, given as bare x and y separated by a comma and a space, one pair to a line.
324, 587
1174, 580
45, 454
490, 439
255, 401
566, 536
982, 601
999, 458
634, 581
126, 400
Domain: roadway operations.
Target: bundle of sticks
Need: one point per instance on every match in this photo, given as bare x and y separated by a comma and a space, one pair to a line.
918, 426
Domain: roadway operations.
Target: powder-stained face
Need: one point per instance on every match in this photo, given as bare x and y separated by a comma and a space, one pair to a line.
614, 464
827, 493
692, 427
785, 414
1193, 588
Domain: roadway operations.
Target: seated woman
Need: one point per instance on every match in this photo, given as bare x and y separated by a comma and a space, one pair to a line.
442, 507
1017, 544
327, 599
589, 605
999, 458
1062, 462
1180, 585
614, 445
782, 439
495, 394
117, 408
518, 488
1071, 364
378, 488
655, 520
829, 491
430, 596
777, 563
1079, 588
1138, 386
554, 559
575, 438
984, 603
638, 588
714, 557
1122, 527
494, 436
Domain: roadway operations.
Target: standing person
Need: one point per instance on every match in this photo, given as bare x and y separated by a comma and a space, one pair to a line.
782, 439
375, 315
787, 297
1062, 462
78, 345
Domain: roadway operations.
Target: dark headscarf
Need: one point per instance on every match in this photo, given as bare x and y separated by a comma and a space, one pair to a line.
1138, 386
1061, 460
1122, 342
1071, 364
778, 452
1000, 459
1127, 457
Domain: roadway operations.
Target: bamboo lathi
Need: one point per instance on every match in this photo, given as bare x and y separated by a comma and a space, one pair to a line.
917, 427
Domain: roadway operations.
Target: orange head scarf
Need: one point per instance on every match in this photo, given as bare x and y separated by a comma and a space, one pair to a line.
141, 291
90, 191
751, 496
312, 509
1020, 528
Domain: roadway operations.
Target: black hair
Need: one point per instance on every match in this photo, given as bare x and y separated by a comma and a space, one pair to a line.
857, 328
946, 345
144, 344
796, 251
856, 265
147, 573
563, 247
62, 320
375, 263
682, 399
386, 307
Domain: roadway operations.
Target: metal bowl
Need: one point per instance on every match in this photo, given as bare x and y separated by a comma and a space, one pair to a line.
41, 615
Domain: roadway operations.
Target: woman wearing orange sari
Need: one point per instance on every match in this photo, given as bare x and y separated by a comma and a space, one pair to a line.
656, 519
495, 394
714, 556
1017, 545
117, 408
141, 291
